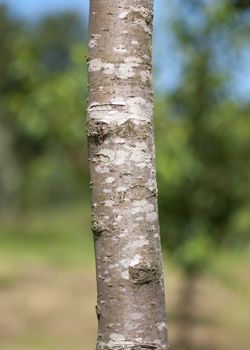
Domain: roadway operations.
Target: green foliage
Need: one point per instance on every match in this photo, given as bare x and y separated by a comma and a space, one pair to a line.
203, 140
43, 101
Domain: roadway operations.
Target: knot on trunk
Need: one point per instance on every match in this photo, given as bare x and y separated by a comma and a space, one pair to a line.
99, 227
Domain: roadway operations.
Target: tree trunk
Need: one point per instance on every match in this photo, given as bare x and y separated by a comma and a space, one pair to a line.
131, 302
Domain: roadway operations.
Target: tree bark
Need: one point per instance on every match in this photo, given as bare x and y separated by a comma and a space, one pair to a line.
131, 301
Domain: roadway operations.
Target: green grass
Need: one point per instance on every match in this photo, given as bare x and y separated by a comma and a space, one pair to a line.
62, 236
231, 267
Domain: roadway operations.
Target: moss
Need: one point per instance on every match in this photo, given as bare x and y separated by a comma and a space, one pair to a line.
116, 61
149, 19
129, 128
97, 133
139, 16
91, 129
141, 274
135, 15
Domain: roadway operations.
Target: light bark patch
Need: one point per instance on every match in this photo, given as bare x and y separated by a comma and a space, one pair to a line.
120, 49
116, 337
109, 180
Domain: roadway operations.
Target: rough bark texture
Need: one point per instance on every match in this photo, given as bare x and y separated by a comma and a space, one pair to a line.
131, 302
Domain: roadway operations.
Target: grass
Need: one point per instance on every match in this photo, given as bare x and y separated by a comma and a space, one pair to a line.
231, 268
48, 288
62, 236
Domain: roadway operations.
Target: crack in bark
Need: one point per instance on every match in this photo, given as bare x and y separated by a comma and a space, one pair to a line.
106, 106
100, 132
98, 310
101, 157
133, 347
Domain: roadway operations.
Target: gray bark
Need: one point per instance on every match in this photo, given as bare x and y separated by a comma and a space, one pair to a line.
131, 301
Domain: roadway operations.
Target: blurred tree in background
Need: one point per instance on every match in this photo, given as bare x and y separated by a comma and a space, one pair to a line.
202, 128
203, 145
203, 136
43, 100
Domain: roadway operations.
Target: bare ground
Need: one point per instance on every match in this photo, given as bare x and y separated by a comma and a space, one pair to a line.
43, 306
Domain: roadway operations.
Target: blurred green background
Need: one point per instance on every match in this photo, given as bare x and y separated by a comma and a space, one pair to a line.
202, 135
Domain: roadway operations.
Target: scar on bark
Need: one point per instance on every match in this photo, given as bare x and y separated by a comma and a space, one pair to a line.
97, 228
141, 274
98, 310
100, 132
97, 130
132, 347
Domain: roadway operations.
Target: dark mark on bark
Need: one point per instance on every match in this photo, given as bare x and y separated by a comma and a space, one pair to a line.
100, 132
132, 347
143, 274
101, 157
97, 228
97, 131
97, 310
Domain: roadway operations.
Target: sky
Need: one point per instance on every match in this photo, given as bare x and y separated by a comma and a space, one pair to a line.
34, 9
167, 71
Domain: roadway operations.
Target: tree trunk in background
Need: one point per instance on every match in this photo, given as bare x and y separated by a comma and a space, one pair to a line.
131, 302
185, 315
